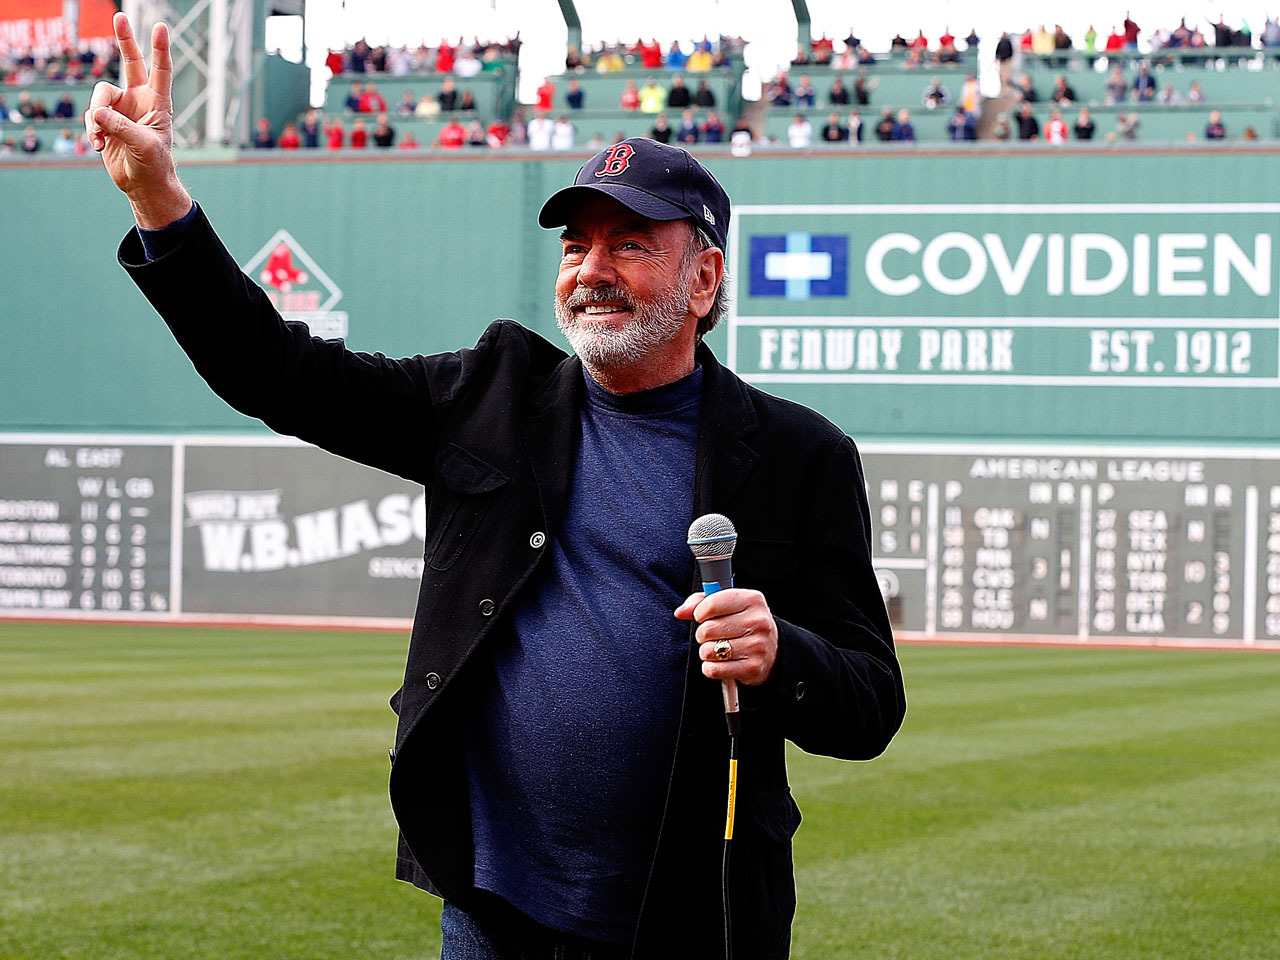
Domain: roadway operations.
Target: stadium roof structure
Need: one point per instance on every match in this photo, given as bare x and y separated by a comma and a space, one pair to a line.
219, 61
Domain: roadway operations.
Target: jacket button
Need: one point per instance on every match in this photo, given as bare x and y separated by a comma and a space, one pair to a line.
537, 540
486, 607
433, 681
800, 690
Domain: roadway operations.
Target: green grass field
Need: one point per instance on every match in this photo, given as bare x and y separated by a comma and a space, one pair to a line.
173, 793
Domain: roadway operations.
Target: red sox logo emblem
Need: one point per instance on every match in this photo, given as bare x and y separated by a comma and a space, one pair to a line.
616, 160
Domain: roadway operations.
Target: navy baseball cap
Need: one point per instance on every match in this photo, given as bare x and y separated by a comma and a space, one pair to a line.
655, 180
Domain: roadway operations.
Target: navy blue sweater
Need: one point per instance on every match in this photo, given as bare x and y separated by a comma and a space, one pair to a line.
574, 732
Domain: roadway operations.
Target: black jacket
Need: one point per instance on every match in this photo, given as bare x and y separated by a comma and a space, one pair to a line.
490, 432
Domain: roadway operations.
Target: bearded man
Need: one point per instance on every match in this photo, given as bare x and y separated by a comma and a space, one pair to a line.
558, 766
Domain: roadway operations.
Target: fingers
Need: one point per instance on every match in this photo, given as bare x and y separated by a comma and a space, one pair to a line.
685, 610
747, 663
161, 62
104, 95
135, 69
737, 635
115, 124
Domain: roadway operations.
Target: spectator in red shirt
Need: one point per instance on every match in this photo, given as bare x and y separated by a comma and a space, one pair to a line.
650, 55
1115, 41
630, 97
290, 138
334, 62
452, 135
1130, 33
359, 135
410, 142
919, 43
546, 95
445, 57
336, 135
497, 134
371, 101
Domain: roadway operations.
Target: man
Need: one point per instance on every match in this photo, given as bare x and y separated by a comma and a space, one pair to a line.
1055, 131
540, 131
904, 130
800, 132
1144, 84
574, 96
1215, 129
653, 99
1028, 125
678, 97
834, 131
661, 131
689, 132
1084, 125
960, 126
558, 774
935, 95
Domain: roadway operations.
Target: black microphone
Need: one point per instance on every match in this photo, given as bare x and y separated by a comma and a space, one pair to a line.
712, 538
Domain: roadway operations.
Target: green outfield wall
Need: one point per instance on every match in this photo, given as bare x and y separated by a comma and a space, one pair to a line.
1062, 368
1030, 295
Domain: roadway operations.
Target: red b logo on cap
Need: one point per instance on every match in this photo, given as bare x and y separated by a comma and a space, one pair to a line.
616, 160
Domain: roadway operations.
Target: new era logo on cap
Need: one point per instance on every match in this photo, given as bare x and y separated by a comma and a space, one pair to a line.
655, 180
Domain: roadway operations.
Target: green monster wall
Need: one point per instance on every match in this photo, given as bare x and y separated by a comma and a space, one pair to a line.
1062, 368
1029, 296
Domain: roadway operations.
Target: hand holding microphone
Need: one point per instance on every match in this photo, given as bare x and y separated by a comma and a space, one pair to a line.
737, 636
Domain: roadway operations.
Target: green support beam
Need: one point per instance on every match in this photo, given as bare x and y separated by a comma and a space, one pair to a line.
572, 22
804, 37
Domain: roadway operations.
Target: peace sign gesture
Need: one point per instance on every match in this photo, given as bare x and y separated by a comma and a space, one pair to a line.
133, 129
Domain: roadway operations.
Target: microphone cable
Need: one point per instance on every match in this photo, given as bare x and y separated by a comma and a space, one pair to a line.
734, 724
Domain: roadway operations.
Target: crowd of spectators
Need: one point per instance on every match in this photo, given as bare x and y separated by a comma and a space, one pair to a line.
1162, 45
84, 63
363, 96
916, 52
1026, 126
66, 143
461, 58
680, 99
653, 97
704, 56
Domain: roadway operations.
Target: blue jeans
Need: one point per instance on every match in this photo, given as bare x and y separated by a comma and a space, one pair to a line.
510, 935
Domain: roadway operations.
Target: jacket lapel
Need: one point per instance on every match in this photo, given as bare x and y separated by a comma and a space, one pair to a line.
549, 433
725, 456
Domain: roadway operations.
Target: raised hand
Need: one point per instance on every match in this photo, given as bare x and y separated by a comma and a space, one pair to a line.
133, 129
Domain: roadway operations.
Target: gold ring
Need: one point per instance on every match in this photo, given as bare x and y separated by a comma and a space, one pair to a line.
723, 650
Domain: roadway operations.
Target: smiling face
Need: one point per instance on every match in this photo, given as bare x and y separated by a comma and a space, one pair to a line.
629, 294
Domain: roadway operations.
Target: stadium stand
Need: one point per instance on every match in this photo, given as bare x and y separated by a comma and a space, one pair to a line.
603, 86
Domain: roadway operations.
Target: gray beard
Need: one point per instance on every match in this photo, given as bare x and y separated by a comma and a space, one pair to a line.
653, 323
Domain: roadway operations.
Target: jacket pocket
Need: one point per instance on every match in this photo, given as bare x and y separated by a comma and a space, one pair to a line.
465, 487
765, 902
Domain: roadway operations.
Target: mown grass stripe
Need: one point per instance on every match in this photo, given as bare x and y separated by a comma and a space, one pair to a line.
221, 793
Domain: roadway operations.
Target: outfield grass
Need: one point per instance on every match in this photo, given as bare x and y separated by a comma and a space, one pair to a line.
173, 793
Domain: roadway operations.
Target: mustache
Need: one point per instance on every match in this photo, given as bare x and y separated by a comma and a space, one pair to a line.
586, 296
